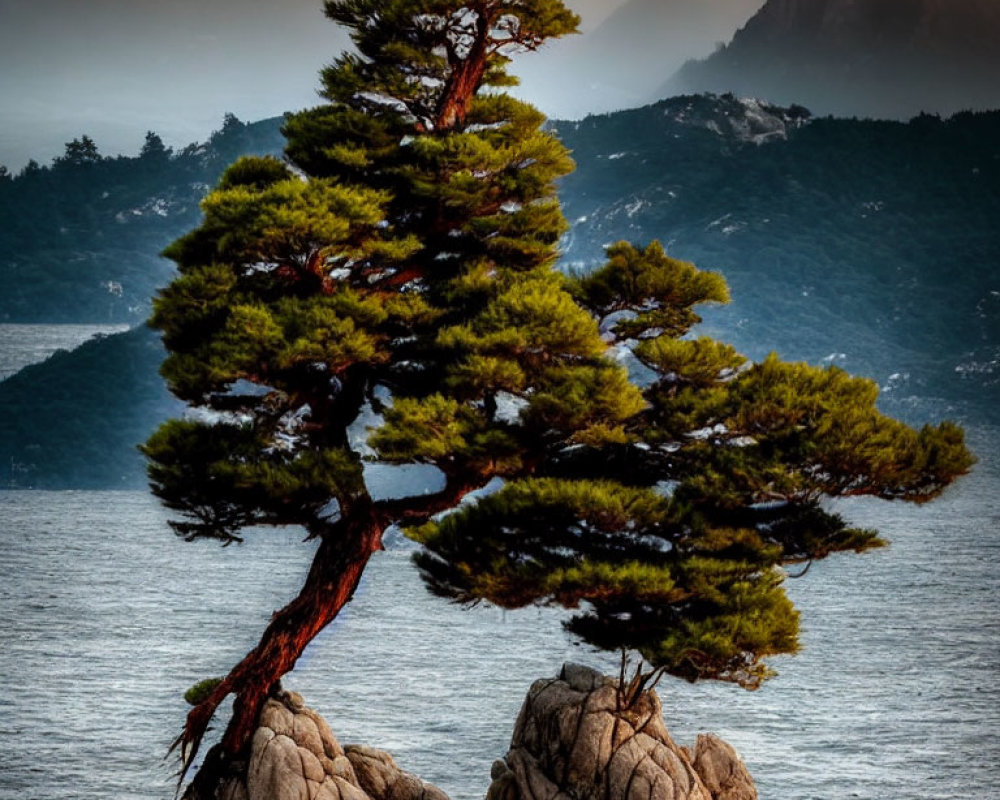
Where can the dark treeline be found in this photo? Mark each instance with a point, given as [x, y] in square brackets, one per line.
[81, 237]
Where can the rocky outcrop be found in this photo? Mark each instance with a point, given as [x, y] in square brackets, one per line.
[294, 756]
[574, 740]
[721, 769]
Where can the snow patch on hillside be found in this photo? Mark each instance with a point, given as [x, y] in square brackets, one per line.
[745, 119]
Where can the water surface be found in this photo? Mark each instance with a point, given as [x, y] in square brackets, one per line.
[107, 618]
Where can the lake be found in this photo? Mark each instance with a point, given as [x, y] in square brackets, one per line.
[107, 618]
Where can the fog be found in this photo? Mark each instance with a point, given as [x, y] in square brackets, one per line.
[625, 61]
[113, 69]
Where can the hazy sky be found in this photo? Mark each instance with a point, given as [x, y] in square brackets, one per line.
[114, 69]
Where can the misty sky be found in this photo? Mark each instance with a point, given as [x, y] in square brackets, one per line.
[114, 69]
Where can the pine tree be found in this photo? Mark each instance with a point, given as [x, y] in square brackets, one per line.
[79, 151]
[153, 148]
[406, 250]
[30, 169]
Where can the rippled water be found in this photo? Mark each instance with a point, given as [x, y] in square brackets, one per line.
[21, 345]
[106, 618]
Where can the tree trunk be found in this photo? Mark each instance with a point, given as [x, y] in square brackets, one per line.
[343, 553]
[467, 74]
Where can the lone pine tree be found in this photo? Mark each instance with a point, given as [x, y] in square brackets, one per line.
[401, 261]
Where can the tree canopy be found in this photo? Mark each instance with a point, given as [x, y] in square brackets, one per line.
[79, 151]
[399, 265]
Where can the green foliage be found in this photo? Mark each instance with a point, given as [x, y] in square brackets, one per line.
[82, 151]
[228, 476]
[254, 173]
[248, 222]
[587, 404]
[428, 429]
[153, 149]
[410, 272]
[659, 291]
[701, 601]
[527, 319]
[195, 694]
[699, 363]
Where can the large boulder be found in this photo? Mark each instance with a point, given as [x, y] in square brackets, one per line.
[577, 738]
[295, 756]
[721, 769]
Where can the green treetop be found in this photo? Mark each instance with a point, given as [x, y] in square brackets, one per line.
[405, 249]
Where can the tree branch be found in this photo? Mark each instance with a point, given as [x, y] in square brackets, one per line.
[419, 509]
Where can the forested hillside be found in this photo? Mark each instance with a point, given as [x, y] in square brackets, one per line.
[74, 420]
[870, 245]
[81, 237]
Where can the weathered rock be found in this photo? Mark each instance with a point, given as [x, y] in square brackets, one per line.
[294, 756]
[379, 776]
[721, 769]
[574, 741]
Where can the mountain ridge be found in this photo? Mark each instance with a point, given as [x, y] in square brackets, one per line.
[872, 246]
[871, 58]
[624, 59]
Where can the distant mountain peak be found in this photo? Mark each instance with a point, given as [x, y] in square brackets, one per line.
[920, 24]
[881, 58]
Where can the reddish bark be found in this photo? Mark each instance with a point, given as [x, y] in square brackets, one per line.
[313, 273]
[343, 553]
[345, 548]
[466, 76]
[416, 510]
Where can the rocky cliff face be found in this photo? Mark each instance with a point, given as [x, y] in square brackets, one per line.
[572, 741]
[926, 26]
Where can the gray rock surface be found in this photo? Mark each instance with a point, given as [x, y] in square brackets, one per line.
[573, 741]
[295, 756]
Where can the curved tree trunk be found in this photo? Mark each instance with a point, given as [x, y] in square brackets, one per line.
[341, 558]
